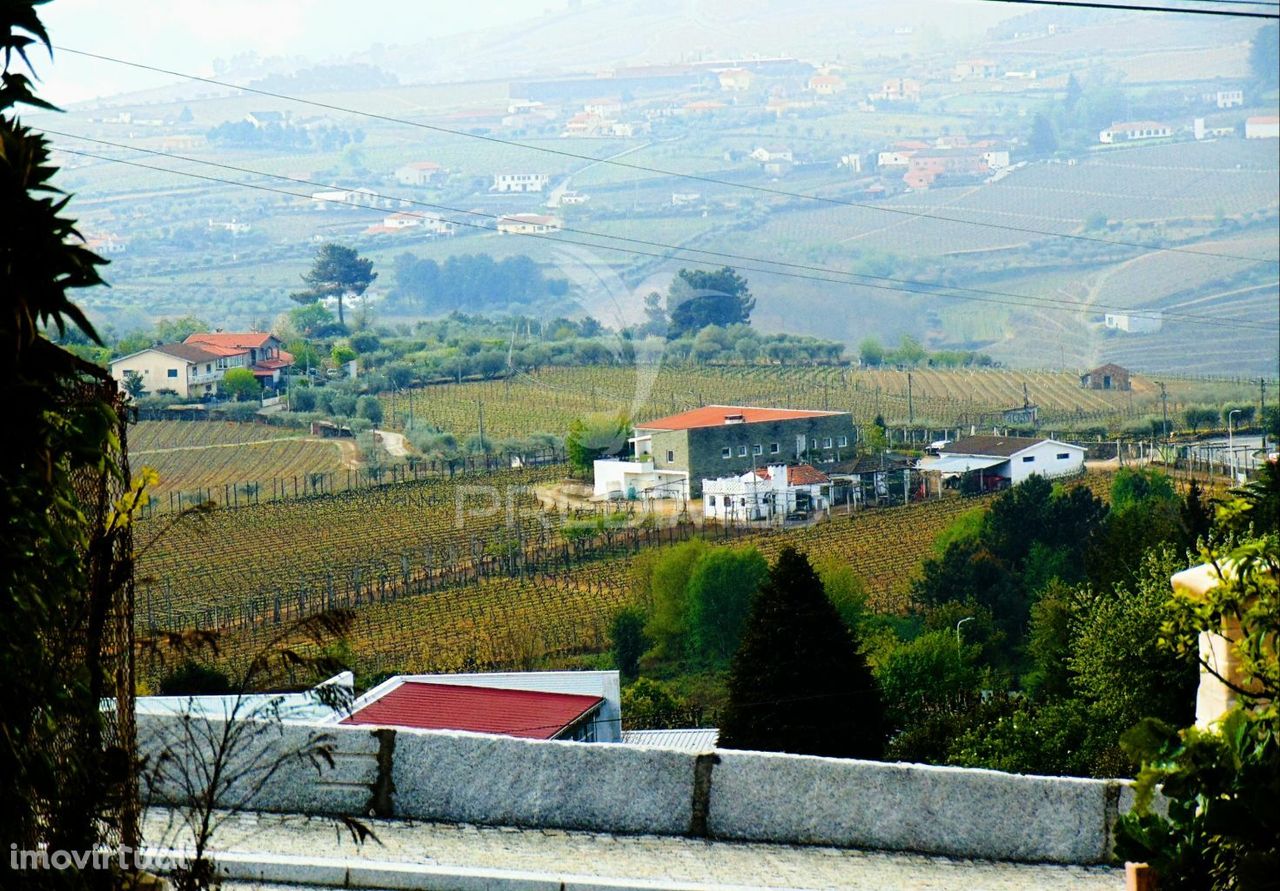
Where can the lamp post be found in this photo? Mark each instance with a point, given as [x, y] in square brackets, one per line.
[1231, 441]
[958, 624]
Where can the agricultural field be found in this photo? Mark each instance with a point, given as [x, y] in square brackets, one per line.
[548, 400]
[370, 551]
[195, 455]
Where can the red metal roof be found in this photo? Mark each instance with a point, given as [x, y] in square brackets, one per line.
[531, 714]
[715, 415]
[798, 475]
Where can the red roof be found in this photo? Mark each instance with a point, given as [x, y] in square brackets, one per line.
[531, 714]
[715, 416]
[799, 475]
[239, 339]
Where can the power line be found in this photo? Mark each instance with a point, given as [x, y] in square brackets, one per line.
[586, 232]
[708, 180]
[1128, 7]
[972, 294]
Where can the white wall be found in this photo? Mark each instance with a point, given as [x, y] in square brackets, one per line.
[1046, 462]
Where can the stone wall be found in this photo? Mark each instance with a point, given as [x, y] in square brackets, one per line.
[749, 796]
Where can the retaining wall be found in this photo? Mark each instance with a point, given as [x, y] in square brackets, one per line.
[748, 796]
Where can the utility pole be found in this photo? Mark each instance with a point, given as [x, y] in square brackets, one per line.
[484, 445]
[1164, 404]
[911, 411]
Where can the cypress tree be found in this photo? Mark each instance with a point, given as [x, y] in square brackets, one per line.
[799, 682]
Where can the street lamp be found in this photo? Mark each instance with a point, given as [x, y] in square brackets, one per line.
[958, 624]
[1231, 440]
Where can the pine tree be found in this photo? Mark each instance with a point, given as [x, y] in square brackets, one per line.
[799, 682]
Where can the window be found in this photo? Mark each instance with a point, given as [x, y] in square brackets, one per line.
[671, 456]
[1064, 456]
[742, 502]
[826, 443]
[726, 452]
[742, 451]
[173, 372]
[842, 441]
[757, 449]
[208, 368]
[711, 500]
[773, 448]
[1027, 459]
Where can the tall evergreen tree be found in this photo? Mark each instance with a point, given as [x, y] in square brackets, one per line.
[337, 272]
[698, 298]
[799, 682]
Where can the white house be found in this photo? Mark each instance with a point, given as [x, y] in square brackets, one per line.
[734, 80]
[768, 153]
[520, 182]
[1262, 127]
[1134, 131]
[186, 369]
[618, 478]
[527, 224]
[420, 173]
[1135, 323]
[775, 490]
[1007, 460]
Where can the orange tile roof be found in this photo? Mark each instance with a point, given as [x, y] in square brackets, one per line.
[714, 416]
[798, 475]
[240, 339]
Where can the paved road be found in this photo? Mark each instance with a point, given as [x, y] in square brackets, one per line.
[643, 858]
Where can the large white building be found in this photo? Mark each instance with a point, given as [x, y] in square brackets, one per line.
[520, 182]
[1007, 460]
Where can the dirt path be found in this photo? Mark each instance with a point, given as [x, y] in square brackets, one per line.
[350, 453]
[394, 443]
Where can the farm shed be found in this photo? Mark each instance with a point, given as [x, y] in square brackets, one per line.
[1106, 377]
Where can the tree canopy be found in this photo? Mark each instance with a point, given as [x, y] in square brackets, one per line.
[698, 298]
[799, 682]
[338, 272]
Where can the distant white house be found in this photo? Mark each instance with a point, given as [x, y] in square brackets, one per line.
[420, 173]
[766, 492]
[768, 153]
[527, 224]
[1135, 323]
[1007, 460]
[1133, 131]
[734, 80]
[1262, 127]
[520, 182]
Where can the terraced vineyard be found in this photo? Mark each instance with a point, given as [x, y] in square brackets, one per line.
[548, 400]
[197, 455]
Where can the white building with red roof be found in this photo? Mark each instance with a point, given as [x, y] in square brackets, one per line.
[774, 491]
[421, 173]
[260, 352]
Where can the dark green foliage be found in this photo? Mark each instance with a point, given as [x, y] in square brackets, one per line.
[62, 783]
[369, 408]
[798, 682]
[472, 282]
[338, 272]
[698, 298]
[627, 638]
[239, 384]
[651, 705]
[927, 673]
[1264, 56]
[719, 594]
[193, 678]
[1043, 139]
[1223, 827]
[1145, 514]
[1196, 517]
[596, 436]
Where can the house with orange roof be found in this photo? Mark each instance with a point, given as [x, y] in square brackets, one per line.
[826, 84]
[260, 352]
[672, 455]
